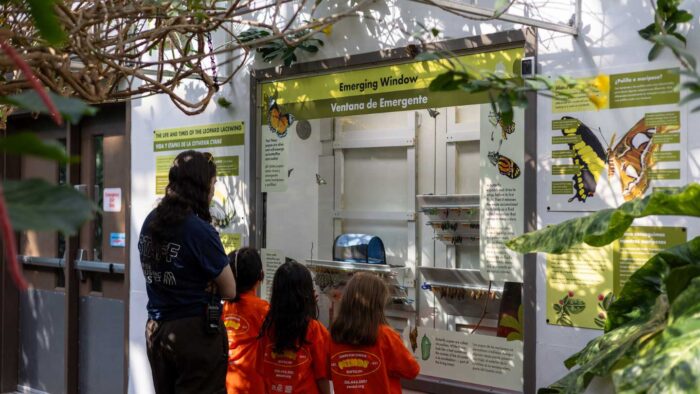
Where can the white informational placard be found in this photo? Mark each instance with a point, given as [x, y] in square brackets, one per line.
[271, 260]
[471, 358]
[502, 183]
[225, 142]
[629, 146]
[112, 199]
[274, 162]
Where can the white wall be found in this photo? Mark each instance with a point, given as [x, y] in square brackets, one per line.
[147, 115]
[608, 39]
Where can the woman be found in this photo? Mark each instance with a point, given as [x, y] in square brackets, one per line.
[181, 255]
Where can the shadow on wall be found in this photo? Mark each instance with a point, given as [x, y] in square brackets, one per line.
[42, 349]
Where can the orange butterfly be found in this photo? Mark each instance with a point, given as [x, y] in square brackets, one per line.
[279, 122]
[633, 156]
[506, 166]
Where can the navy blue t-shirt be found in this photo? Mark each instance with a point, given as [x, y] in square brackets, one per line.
[178, 270]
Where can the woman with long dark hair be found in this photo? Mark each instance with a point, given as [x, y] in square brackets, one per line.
[182, 260]
[293, 347]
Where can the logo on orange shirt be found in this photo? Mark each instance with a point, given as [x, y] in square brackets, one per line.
[288, 358]
[237, 324]
[354, 363]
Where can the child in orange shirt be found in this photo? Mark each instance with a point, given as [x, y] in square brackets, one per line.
[243, 318]
[367, 355]
[293, 346]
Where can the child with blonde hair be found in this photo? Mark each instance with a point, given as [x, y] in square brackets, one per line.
[367, 355]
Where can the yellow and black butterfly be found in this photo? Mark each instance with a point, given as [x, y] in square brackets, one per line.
[506, 165]
[589, 156]
[279, 122]
[497, 121]
[633, 156]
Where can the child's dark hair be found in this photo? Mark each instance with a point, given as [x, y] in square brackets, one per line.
[247, 269]
[292, 307]
[361, 311]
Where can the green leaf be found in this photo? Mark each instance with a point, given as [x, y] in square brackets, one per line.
[46, 21]
[557, 307]
[673, 366]
[35, 204]
[655, 51]
[648, 31]
[608, 300]
[510, 322]
[575, 306]
[679, 279]
[648, 283]
[30, 144]
[514, 336]
[691, 97]
[603, 353]
[444, 82]
[605, 226]
[71, 109]
[681, 16]
[565, 320]
[223, 102]
[500, 6]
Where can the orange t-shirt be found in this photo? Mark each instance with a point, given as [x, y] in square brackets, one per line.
[242, 320]
[372, 369]
[296, 372]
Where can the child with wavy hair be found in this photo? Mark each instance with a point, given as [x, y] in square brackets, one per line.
[293, 346]
[243, 317]
[367, 355]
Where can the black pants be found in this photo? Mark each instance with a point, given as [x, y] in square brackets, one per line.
[185, 358]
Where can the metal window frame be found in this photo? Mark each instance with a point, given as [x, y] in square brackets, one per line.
[518, 38]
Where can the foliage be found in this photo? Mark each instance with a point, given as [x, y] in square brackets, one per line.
[35, 204]
[663, 33]
[282, 48]
[124, 49]
[604, 302]
[605, 226]
[70, 108]
[651, 339]
[514, 323]
[45, 20]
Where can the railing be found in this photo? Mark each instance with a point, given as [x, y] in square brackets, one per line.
[80, 264]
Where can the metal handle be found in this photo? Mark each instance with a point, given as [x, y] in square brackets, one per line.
[50, 262]
[99, 266]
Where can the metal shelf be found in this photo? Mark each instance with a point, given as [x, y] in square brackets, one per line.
[467, 279]
[354, 267]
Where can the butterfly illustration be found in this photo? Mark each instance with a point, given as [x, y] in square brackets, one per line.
[506, 166]
[506, 129]
[279, 122]
[633, 156]
[589, 156]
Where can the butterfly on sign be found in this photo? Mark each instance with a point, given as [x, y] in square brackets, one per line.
[506, 166]
[497, 120]
[633, 156]
[279, 122]
[589, 156]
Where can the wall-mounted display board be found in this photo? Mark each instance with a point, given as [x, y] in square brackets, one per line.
[631, 144]
[346, 153]
[583, 282]
[225, 142]
[502, 186]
